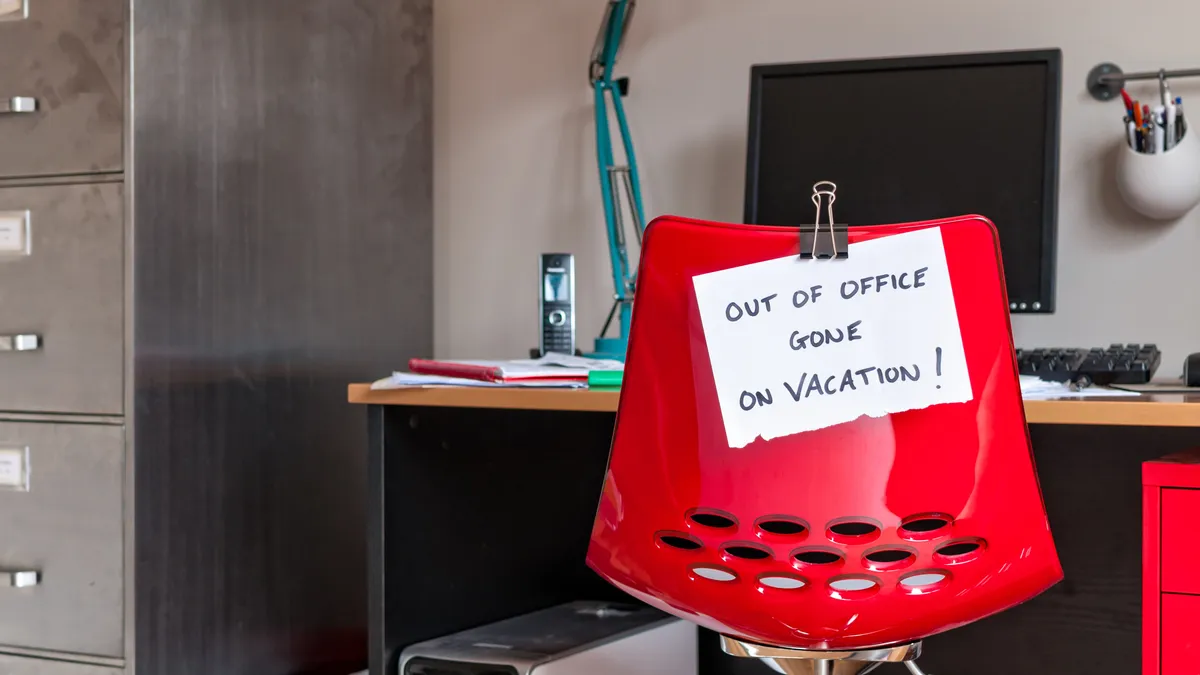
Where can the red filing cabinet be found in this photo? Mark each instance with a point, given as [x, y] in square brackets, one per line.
[1171, 565]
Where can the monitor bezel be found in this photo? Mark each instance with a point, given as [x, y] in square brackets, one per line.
[1051, 59]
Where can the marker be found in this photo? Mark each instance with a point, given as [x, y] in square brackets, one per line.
[1132, 133]
[1180, 122]
[599, 379]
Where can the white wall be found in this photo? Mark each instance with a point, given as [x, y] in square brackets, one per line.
[515, 169]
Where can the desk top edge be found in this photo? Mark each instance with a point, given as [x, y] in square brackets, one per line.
[588, 400]
[1155, 410]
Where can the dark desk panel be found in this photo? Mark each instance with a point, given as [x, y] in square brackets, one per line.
[479, 513]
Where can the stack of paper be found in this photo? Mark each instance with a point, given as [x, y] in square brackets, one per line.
[551, 371]
[1036, 389]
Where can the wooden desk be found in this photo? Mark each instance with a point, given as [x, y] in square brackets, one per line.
[481, 503]
[1160, 410]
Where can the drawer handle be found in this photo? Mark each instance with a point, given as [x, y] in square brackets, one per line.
[20, 578]
[17, 105]
[14, 10]
[20, 343]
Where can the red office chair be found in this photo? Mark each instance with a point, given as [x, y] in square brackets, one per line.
[833, 550]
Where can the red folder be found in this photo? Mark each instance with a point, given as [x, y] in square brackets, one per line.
[755, 542]
[496, 371]
[469, 371]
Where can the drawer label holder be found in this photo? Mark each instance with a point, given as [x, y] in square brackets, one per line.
[14, 468]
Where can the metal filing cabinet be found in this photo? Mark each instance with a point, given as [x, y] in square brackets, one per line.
[15, 665]
[208, 226]
[62, 337]
[61, 87]
[61, 298]
[60, 538]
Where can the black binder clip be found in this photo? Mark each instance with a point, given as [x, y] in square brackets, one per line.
[824, 241]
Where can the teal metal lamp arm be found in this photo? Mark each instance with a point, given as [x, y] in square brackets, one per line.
[607, 90]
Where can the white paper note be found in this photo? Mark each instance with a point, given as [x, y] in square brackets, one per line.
[11, 10]
[14, 232]
[799, 345]
[14, 471]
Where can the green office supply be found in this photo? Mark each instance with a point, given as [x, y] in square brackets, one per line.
[605, 378]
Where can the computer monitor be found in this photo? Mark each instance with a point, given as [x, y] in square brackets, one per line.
[917, 138]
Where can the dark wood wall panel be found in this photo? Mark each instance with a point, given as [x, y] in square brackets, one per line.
[282, 243]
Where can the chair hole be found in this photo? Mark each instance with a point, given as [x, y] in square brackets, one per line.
[680, 541]
[959, 552]
[923, 579]
[958, 549]
[782, 582]
[852, 584]
[747, 552]
[923, 525]
[713, 519]
[853, 587]
[889, 556]
[853, 529]
[714, 573]
[782, 526]
[817, 557]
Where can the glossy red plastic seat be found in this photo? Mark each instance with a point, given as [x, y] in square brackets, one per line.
[877, 532]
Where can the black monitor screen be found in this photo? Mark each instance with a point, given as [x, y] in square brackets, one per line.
[916, 139]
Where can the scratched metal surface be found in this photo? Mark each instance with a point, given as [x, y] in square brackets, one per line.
[69, 55]
[282, 243]
[69, 290]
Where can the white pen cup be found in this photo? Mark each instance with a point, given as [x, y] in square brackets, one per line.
[1161, 186]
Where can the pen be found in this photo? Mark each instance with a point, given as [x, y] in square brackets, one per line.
[1159, 120]
[1137, 114]
[1171, 138]
[1132, 133]
[1128, 101]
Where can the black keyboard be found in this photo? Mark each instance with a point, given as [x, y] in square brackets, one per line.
[1118, 364]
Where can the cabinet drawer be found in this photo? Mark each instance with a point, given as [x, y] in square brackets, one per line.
[1180, 635]
[18, 665]
[61, 86]
[1180, 543]
[67, 289]
[61, 538]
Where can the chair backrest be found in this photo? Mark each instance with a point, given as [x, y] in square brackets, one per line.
[875, 532]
